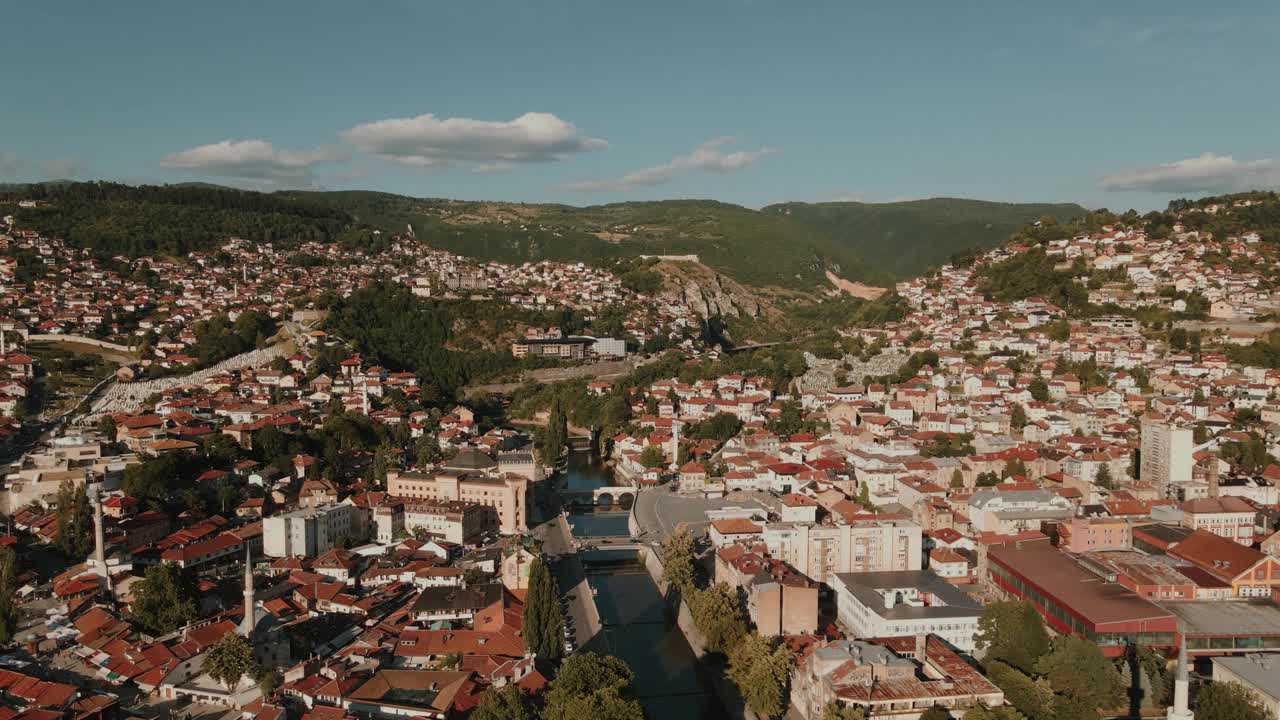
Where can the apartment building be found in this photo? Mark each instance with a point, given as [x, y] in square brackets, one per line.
[1166, 454]
[914, 602]
[309, 532]
[820, 552]
[503, 497]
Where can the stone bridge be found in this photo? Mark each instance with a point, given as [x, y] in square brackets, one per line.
[623, 495]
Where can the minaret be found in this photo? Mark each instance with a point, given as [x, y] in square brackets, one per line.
[675, 444]
[99, 541]
[246, 625]
[1179, 710]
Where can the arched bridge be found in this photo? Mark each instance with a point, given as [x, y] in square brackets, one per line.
[623, 495]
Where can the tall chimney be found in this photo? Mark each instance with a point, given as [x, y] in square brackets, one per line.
[921, 641]
[1213, 476]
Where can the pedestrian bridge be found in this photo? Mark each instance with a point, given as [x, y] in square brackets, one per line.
[623, 495]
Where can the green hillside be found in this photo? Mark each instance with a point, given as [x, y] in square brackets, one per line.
[752, 247]
[905, 238]
[789, 246]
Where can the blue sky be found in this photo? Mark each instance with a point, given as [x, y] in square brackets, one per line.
[1115, 104]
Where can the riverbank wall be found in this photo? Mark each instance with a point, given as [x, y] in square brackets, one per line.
[728, 695]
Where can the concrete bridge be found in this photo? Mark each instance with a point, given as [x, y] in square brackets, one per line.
[615, 494]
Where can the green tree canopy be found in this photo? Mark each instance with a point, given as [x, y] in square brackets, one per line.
[1229, 701]
[509, 703]
[74, 520]
[542, 620]
[1012, 632]
[592, 686]
[651, 457]
[1077, 669]
[164, 599]
[8, 586]
[678, 553]
[719, 615]
[230, 660]
[760, 668]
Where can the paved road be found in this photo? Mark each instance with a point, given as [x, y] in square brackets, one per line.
[581, 615]
[659, 511]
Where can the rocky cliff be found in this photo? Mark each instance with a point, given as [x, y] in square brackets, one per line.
[706, 291]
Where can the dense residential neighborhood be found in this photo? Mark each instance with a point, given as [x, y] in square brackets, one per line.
[249, 506]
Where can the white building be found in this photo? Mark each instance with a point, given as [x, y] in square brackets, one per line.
[1258, 672]
[1166, 454]
[309, 532]
[820, 552]
[1012, 511]
[916, 602]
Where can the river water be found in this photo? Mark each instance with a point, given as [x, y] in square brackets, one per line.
[639, 627]
[583, 474]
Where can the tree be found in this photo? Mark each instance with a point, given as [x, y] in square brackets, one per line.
[509, 703]
[1103, 478]
[1076, 668]
[719, 616]
[381, 465]
[8, 586]
[1011, 632]
[542, 620]
[556, 436]
[74, 520]
[230, 660]
[759, 667]
[427, 450]
[268, 680]
[678, 553]
[592, 686]
[864, 497]
[1030, 698]
[1018, 417]
[270, 443]
[1178, 339]
[835, 712]
[957, 478]
[651, 457]
[1039, 390]
[1229, 701]
[935, 713]
[719, 427]
[164, 599]
[982, 712]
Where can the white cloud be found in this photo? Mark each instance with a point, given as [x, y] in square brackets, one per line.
[710, 156]
[1208, 173]
[485, 146]
[254, 161]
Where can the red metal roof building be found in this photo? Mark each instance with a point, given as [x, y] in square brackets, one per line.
[1073, 600]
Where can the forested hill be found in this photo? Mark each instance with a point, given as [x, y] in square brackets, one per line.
[120, 219]
[790, 246]
[906, 238]
[753, 248]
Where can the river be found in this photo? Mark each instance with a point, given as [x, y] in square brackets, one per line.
[639, 627]
[585, 472]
